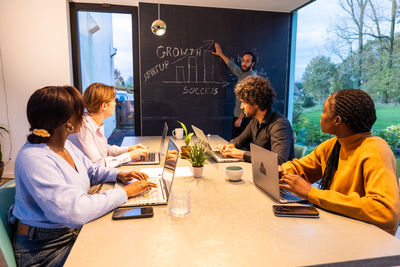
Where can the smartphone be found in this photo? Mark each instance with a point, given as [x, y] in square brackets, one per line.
[132, 213]
[295, 211]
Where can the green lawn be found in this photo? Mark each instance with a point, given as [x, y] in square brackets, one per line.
[386, 115]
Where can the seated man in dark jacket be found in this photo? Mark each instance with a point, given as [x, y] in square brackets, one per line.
[268, 128]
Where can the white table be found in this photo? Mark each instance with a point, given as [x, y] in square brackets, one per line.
[230, 224]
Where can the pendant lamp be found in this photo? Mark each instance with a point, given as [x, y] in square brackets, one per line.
[158, 27]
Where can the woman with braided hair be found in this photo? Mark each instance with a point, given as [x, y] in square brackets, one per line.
[358, 171]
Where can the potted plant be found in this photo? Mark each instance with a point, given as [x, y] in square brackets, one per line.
[197, 158]
[185, 150]
[1, 155]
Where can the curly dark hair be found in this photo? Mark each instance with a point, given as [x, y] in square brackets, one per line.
[50, 107]
[256, 90]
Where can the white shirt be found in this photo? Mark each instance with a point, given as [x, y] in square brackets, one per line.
[93, 143]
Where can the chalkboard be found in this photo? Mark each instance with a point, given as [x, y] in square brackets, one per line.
[182, 80]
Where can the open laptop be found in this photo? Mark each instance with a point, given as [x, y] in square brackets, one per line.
[154, 158]
[218, 156]
[160, 194]
[264, 164]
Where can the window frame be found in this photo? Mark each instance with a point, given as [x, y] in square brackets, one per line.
[76, 69]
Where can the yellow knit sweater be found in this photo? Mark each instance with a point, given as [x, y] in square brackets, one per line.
[365, 185]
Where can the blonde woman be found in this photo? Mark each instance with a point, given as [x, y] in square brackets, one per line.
[100, 104]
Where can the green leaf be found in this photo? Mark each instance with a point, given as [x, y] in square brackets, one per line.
[2, 129]
[197, 157]
[183, 126]
[188, 138]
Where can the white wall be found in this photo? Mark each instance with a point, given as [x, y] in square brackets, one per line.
[34, 44]
[35, 52]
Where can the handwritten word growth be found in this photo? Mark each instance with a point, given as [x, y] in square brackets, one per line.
[168, 51]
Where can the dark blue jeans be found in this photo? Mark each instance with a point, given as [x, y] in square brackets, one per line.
[44, 246]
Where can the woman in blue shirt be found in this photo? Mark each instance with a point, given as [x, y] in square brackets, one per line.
[53, 177]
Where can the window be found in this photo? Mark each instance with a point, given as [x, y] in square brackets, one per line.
[105, 50]
[332, 53]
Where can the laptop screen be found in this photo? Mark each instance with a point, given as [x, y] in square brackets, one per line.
[171, 159]
[200, 134]
[164, 134]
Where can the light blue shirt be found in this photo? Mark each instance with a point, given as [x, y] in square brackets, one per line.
[50, 193]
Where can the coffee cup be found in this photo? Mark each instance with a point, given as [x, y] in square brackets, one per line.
[178, 133]
[234, 173]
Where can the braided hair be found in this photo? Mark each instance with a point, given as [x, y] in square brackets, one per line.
[357, 110]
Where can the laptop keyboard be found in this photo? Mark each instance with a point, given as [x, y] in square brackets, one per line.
[286, 195]
[152, 156]
[152, 196]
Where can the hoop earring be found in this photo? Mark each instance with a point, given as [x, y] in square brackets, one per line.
[70, 129]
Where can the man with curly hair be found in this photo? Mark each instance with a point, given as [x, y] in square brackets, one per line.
[268, 128]
[246, 69]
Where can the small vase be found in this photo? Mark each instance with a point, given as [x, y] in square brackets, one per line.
[185, 151]
[198, 171]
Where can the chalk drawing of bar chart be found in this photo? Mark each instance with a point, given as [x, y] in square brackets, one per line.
[194, 72]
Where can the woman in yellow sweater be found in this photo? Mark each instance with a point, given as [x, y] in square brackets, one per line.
[358, 171]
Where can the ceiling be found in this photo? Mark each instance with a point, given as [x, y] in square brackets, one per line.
[263, 5]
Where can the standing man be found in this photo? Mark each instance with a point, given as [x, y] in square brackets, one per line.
[268, 128]
[247, 68]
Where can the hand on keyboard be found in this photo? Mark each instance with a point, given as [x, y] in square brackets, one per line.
[127, 177]
[233, 152]
[295, 184]
[137, 154]
[138, 187]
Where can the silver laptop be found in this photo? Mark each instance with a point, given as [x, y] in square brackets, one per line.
[218, 156]
[160, 194]
[154, 158]
[264, 164]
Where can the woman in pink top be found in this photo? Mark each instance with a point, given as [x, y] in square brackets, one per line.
[100, 104]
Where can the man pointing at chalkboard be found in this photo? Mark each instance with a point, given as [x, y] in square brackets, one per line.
[247, 68]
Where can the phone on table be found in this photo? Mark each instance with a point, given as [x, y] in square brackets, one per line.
[295, 211]
[132, 213]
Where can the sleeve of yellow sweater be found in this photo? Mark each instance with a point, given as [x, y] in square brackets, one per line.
[311, 166]
[379, 204]
[372, 194]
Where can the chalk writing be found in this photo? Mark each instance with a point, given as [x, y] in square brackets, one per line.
[167, 51]
[199, 90]
[154, 70]
[192, 67]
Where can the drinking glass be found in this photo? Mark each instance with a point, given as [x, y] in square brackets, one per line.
[179, 203]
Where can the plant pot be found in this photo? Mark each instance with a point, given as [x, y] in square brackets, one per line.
[185, 151]
[197, 171]
[1, 169]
